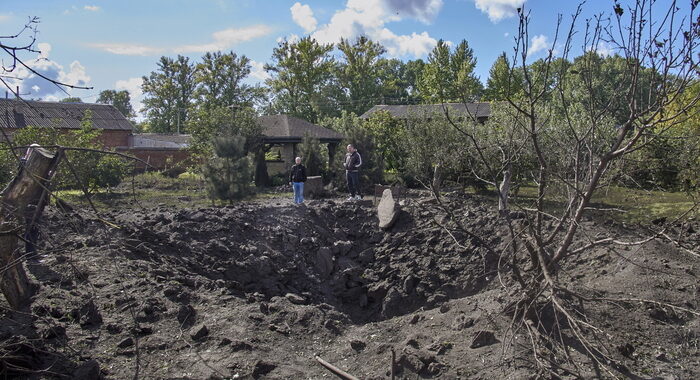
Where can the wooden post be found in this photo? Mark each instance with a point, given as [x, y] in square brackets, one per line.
[29, 187]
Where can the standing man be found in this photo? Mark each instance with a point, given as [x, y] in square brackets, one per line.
[297, 177]
[352, 164]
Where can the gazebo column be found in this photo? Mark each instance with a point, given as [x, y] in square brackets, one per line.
[332, 148]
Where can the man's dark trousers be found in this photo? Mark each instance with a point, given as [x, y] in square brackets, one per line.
[353, 178]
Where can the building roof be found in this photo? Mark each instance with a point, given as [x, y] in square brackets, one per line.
[290, 128]
[480, 110]
[22, 113]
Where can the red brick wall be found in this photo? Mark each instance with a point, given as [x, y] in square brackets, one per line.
[157, 157]
[114, 138]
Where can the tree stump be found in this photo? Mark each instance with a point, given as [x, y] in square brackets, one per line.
[28, 188]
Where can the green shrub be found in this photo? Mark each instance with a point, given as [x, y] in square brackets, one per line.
[230, 173]
[82, 170]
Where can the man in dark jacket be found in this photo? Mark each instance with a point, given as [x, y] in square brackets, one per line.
[297, 177]
[352, 164]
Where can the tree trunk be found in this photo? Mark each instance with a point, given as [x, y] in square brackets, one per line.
[261, 176]
[503, 192]
[438, 177]
[23, 201]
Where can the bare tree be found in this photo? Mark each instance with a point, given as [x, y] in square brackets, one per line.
[574, 138]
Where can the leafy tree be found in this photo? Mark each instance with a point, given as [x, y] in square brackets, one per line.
[220, 82]
[353, 128]
[300, 74]
[229, 173]
[207, 125]
[71, 100]
[389, 134]
[312, 156]
[670, 160]
[449, 76]
[504, 81]
[358, 73]
[398, 80]
[82, 170]
[121, 100]
[168, 94]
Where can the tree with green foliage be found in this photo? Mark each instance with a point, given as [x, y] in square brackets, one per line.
[449, 75]
[389, 134]
[206, 126]
[83, 170]
[168, 94]
[300, 73]
[121, 100]
[358, 73]
[229, 173]
[349, 124]
[398, 81]
[504, 81]
[312, 156]
[219, 81]
[71, 100]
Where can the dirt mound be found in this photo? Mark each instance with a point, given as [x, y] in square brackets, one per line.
[257, 289]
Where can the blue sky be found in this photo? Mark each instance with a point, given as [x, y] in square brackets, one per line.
[111, 44]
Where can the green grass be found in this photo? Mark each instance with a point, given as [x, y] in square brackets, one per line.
[152, 189]
[642, 205]
[624, 204]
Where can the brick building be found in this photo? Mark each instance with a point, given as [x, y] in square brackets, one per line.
[158, 150]
[17, 114]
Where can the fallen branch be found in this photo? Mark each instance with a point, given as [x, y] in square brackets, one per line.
[335, 370]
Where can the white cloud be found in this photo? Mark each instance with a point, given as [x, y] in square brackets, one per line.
[133, 85]
[76, 76]
[422, 10]
[91, 8]
[304, 17]
[4, 17]
[44, 50]
[369, 17]
[127, 49]
[414, 44]
[537, 44]
[34, 86]
[258, 71]
[499, 9]
[71, 10]
[506, 34]
[225, 39]
[292, 38]
[605, 49]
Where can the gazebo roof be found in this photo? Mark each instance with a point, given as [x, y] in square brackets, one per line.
[285, 128]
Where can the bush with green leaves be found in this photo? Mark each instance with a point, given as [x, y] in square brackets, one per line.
[84, 170]
[229, 173]
[209, 124]
[354, 129]
[313, 156]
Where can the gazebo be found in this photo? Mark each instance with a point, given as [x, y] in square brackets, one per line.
[283, 134]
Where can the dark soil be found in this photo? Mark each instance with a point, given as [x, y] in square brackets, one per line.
[257, 289]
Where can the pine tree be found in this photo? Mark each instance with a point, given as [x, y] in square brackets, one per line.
[312, 156]
[230, 172]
